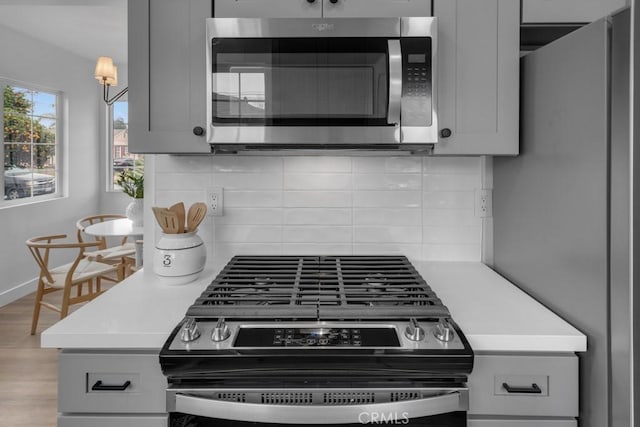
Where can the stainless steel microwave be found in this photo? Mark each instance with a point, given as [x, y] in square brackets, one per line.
[321, 82]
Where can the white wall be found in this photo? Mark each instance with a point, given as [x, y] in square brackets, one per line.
[25, 59]
[420, 207]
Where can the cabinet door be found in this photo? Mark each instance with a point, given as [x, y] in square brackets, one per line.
[478, 76]
[268, 8]
[167, 75]
[376, 8]
[564, 11]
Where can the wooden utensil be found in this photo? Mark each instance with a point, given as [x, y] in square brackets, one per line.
[168, 220]
[196, 214]
[178, 208]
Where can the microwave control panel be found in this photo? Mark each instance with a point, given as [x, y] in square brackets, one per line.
[417, 104]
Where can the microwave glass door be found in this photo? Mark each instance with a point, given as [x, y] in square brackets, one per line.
[300, 82]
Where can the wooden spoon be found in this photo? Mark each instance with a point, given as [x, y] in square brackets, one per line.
[178, 208]
[168, 220]
[196, 214]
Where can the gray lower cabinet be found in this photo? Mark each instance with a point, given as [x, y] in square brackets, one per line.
[509, 390]
[110, 388]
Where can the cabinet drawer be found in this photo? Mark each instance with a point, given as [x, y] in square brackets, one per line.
[521, 423]
[112, 421]
[524, 385]
[110, 382]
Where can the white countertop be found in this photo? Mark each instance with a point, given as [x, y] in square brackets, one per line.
[495, 316]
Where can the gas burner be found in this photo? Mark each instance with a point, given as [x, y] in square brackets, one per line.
[375, 282]
[263, 281]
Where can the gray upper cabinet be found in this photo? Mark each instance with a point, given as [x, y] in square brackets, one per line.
[268, 9]
[568, 11]
[320, 8]
[375, 8]
[478, 76]
[167, 75]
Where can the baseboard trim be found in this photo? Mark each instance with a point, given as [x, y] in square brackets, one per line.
[18, 292]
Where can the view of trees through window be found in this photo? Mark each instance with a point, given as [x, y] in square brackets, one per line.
[29, 123]
[121, 158]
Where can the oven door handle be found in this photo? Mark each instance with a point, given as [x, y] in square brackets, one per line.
[395, 82]
[400, 412]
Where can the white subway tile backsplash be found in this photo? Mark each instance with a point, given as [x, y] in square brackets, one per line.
[223, 252]
[183, 181]
[450, 217]
[316, 249]
[315, 216]
[250, 199]
[172, 164]
[449, 200]
[317, 181]
[419, 207]
[248, 233]
[443, 182]
[387, 234]
[412, 251]
[385, 199]
[452, 165]
[248, 181]
[387, 181]
[246, 164]
[317, 199]
[317, 164]
[317, 234]
[250, 216]
[451, 234]
[387, 216]
[387, 165]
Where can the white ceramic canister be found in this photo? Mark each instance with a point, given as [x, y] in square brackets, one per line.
[179, 258]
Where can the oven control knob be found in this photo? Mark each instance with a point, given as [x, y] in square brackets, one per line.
[189, 331]
[333, 1]
[414, 331]
[444, 331]
[220, 332]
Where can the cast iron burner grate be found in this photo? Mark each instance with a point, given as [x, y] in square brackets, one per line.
[318, 287]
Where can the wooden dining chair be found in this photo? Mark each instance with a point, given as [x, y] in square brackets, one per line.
[122, 255]
[63, 278]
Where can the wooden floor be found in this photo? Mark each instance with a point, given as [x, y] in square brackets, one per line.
[28, 373]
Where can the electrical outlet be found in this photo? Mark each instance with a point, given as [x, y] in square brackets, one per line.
[484, 203]
[215, 201]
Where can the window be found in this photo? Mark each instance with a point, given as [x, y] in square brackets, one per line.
[120, 157]
[30, 142]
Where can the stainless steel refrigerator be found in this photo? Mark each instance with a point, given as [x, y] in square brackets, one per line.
[564, 209]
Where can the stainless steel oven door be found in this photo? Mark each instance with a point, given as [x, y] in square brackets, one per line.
[341, 407]
[321, 81]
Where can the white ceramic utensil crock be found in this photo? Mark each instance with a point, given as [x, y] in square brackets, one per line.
[179, 258]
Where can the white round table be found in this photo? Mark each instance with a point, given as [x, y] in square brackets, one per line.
[118, 228]
[114, 228]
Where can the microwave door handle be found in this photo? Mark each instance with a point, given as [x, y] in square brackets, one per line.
[317, 414]
[395, 82]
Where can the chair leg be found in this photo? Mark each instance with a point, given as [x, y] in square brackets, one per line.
[98, 285]
[36, 307]
[79, 290]
[66, 295]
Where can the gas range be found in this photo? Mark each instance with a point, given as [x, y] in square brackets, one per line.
[375, 309]
[282, 339]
